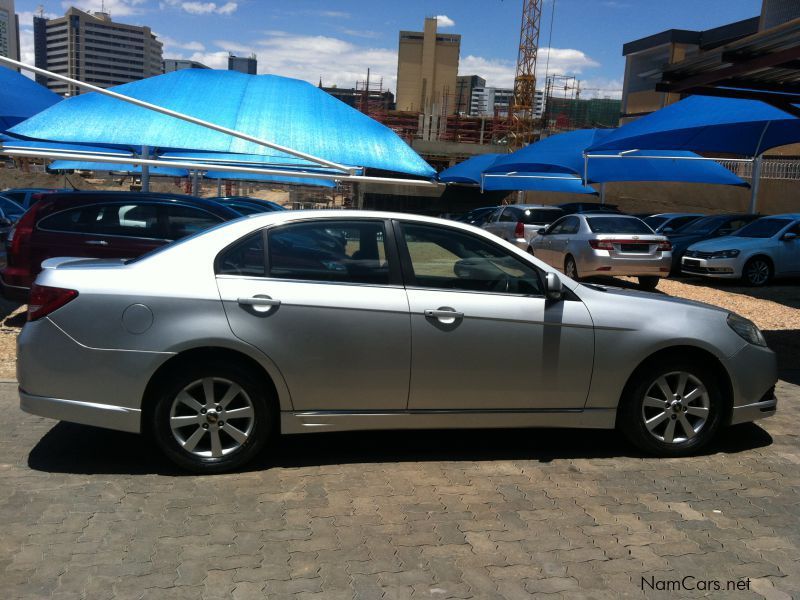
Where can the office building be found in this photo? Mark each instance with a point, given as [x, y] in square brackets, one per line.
[427, 67]
[179, 64]
[494, 102]
[94, 49]
[9, 30]
[465, 84]
[648, 59]
[243, 64]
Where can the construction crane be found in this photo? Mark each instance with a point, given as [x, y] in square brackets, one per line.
[524, 101]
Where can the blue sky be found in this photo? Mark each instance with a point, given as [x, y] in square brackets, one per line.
[339, 39]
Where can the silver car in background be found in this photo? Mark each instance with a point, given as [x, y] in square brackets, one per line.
[586, 245]
[519, 224]
[302, 321]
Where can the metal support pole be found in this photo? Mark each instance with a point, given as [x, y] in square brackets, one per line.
[219, 187]
[196, 183]
[757, 163]
[145, 169]
[603, 193]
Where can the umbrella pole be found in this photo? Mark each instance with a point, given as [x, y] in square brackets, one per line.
[755, 181]
[219, 187]
[145, 169]
[603, 193]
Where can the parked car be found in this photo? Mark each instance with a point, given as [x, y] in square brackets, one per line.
[585, 245]
[26, 197]
[703, 229]
[247, 205]
[224, 339]
[100, 225]
[520, 223]
[571, 208]
[11, 209]
[477, 216]
[759, 251]
[667, 223]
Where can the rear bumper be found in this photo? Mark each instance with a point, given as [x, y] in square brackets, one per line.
[86, 413]
[600, 262]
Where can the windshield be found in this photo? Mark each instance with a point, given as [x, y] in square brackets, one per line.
[763, 228]
[533, 216]
[618, 225]
[702, 226]
[655, 222]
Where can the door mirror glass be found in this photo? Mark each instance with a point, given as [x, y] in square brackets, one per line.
[555, 289]
[667, 230]
[789, 236]
[542, 231]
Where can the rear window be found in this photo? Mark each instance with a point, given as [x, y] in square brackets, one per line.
[618, 225]
[535, 216]
[763, 228]
[655, 222]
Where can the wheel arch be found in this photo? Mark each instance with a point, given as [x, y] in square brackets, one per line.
[691, 353]
[195, 355]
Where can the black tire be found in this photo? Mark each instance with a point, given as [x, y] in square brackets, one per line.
[571, 268]
[530, 251]
[757, 271]
[648, 283]
[259, 428]
[633, 410]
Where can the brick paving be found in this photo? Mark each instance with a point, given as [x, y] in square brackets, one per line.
[88, 513]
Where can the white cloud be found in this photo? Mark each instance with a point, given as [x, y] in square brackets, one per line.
[116, 8]
[172, 45]
[444, 21]
[500, 73]
[203, 8]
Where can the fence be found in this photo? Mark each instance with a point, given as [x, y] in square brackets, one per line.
[771, 168]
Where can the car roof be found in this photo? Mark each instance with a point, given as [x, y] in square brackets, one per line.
[93, 196]
[784, 216]
[605, 215]
[677, 214]
[537, 206]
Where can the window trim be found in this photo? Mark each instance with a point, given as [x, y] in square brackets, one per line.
[409, 279]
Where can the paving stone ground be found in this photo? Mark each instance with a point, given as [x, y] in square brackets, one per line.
[95, 514]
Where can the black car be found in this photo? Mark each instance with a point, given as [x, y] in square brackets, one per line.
[477, 216]
[247, 205]
[571, 208]
[705, 228]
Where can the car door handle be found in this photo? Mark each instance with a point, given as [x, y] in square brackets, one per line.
[447, 315]
[259, 301]
[97, 243]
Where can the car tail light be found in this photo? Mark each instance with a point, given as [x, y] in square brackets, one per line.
[602, 244]
[21, 232]
[519, 230]
[665, 246]
[45, 299]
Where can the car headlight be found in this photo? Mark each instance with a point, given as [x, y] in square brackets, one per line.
[725, 254]
[746, 329]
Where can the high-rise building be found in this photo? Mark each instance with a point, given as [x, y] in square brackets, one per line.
[243, 64]
[465, 84]
[491, 102]
[9, 30]
[427, 67]
[94, 49]
[179, 64]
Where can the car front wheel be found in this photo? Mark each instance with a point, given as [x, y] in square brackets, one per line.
[757, 272]
[648, 283]
[212, 418]
[671, 408]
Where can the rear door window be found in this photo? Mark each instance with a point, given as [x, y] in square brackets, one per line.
[245, 257]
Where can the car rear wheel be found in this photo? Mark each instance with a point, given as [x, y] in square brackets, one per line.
[212, 418]
[757, 271]
[570, 268]
[648, 283]
[671, 408]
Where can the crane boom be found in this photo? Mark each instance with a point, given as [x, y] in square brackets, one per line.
[524, 101]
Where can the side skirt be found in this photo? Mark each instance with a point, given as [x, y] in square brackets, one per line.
[311, 421]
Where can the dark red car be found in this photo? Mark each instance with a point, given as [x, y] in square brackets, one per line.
[100, 225]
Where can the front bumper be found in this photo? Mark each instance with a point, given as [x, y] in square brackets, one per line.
[86, 413]
[766, 407]
[724, 268]
[754, 373]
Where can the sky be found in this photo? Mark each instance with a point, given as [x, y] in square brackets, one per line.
[337, 40]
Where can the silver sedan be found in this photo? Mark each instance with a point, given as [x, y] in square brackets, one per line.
[298, 322]
[587, 245]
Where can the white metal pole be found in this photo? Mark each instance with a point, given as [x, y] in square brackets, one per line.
[219, 187]
[145, 170]
[603, 193]
[177, 115]
[754, 183]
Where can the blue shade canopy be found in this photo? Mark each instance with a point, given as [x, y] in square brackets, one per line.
[470, 170]
[21, 98]
[536, 182]
[74, 165]
[11, 143]
[288, 112]
[325, 183]
[564, 153]
[708, 124]
[271, 161]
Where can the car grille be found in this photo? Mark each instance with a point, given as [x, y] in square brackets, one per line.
[698, 254]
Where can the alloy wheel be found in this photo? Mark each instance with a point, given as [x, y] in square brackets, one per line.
[212, 417]
[570, 270]
[676, 407]
[757, 272]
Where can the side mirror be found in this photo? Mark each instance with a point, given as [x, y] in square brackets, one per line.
[667, 230]
[554, 288]
[788, 236]
[542, 231]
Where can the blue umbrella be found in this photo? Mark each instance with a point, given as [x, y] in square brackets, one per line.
[75, 165]
[288, 112]
[707, 124]
[21, 98]
[470, 170]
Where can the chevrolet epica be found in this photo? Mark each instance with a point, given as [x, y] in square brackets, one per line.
[296, 322]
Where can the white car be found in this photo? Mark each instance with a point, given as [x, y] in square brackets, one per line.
[766, 248]
[519, 224]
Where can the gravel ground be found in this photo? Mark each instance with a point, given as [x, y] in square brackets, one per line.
[775, 309]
